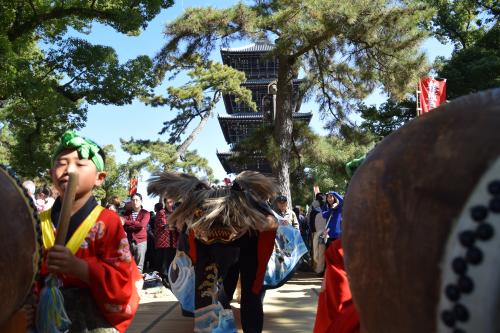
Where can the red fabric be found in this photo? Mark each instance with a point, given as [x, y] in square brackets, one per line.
[113, 273]
[137, 229]
[192, 247]
[133, 186]
[336, 312]
[164, 237]
[265, 247]
[432, 93]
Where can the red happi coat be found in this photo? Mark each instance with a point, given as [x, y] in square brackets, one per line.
[113, 273]
[336, 312]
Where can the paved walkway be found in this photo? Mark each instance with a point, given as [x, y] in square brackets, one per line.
[290, 309]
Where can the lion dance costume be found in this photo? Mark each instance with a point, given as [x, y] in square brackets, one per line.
[231, 232]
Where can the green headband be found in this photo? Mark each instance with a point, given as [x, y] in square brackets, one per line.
[87, 149]
[351, 166]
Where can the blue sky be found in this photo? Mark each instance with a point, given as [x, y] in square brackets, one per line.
[108, 123]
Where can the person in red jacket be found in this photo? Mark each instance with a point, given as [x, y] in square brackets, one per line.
[166, 236]
[135, 223]
[99, 278]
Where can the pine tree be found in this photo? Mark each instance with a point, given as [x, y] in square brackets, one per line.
[346, 49]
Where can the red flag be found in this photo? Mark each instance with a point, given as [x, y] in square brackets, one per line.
[432, 93]
[133, 186]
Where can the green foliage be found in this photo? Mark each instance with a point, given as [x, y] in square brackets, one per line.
[116, 182]
[462, 22]
[325, 166]
[209, 81]
[6, 143]
[158, 156]
[389, 117]
[316, 160]
[261, 141]
[472, 27]
[346, 49]
[48, 78]
[348, 46]
[474, 68]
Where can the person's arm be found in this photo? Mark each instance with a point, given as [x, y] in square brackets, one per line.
[326, 213]
[142, 221]
[136, 225]
[113, 274]
[61, 260]
[295, 221]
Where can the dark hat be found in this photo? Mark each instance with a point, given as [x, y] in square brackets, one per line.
[281, 198]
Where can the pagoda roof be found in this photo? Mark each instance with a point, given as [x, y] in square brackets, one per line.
[258, 116]
[258, 82]
[257, 163]
[258, 47]
[239, 124]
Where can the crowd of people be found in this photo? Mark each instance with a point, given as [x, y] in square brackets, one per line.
[125, 241]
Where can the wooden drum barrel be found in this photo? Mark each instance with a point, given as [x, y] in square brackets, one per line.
[421, 223]
[20, 241]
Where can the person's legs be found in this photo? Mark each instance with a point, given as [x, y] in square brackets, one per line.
[140, 255]
[318, 253]
[252, 313]
[212, 264]
[159, 259]
[229, 284]
[167, 259]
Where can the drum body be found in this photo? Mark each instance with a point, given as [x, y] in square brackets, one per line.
[19, 237]
[402, 205]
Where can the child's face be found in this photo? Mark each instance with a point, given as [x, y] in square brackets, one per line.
[88, 176]
[282, 205]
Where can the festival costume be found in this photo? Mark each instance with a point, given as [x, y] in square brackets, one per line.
[421, 231]
[110, 300]
[229, 234]
[336, 312]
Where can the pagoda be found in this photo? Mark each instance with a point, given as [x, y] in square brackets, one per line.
[261, 71]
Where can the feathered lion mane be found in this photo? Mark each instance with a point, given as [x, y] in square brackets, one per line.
[202, 207]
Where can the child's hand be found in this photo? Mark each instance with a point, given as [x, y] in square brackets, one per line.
[61, 260]
[29, 312]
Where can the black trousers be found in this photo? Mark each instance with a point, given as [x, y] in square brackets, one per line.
[163, 259]
[217, 269]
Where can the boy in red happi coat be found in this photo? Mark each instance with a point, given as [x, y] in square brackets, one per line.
[99, 276]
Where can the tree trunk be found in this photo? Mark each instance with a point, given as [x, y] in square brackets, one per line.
[182, 149]
[283, 125]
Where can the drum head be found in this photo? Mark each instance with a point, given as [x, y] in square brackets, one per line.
[20, 257]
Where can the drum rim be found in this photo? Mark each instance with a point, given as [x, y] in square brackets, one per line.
[35, 220]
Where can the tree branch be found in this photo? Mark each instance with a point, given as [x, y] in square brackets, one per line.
[57, 13]
[309, 46]
[322, 84]
[33, 7]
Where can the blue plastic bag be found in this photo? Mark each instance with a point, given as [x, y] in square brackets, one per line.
[181, 279]
[289, 248]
